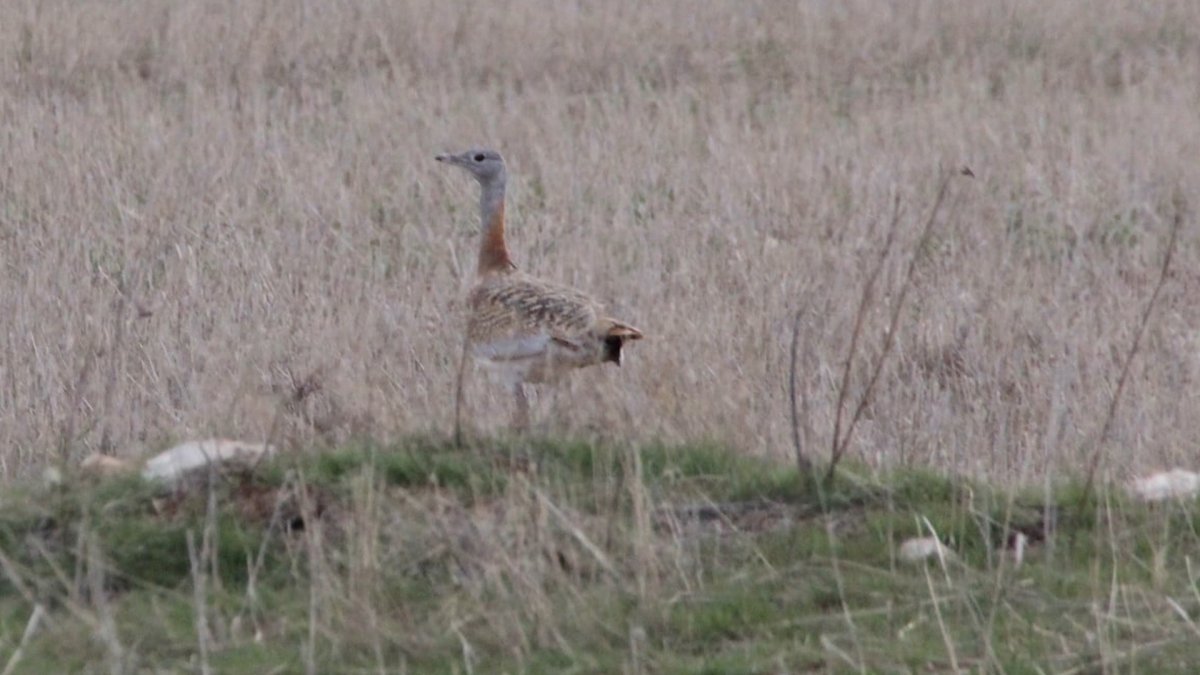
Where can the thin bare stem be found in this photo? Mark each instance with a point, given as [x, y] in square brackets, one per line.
[30, 628]
[199, 593]
[855, 333]
[803, 463]
[1109, 417]
[459, 393]
[889, 338]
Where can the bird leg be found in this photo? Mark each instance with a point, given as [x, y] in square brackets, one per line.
[459, 397]
[520, 421]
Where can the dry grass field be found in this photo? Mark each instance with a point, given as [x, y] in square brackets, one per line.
[209, 209]
[223, 218]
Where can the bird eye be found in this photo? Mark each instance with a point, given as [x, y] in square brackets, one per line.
[479, 157]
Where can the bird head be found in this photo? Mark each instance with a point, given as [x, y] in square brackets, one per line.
[485, 165]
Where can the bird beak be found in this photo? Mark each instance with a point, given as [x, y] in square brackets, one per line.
[443, 158]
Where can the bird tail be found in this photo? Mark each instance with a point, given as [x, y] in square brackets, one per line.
[615, 336]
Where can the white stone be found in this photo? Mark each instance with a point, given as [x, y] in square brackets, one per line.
[1173, 484]
[923, 548]
[173, 464]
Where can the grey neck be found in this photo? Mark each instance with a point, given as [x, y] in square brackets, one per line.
[491, 198]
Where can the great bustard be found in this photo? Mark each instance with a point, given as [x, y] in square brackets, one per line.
[525, 330]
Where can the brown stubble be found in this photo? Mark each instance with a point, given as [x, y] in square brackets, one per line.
[258, 181]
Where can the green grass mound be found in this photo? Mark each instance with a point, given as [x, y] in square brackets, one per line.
[571, 556]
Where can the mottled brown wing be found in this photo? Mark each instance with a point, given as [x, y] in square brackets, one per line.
[511, 306]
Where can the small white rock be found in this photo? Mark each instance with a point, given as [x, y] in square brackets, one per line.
[1173, 484]
[923, 548]
[173, 464]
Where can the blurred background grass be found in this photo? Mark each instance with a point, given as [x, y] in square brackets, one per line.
[223, 218]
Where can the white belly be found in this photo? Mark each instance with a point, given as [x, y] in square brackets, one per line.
[533, 359]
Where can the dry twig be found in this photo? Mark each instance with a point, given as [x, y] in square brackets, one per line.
[1109, 417]
[842, 442]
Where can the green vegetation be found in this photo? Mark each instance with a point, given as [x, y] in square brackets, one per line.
[581, 557]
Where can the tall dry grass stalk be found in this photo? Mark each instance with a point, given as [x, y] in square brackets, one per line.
[211, 212]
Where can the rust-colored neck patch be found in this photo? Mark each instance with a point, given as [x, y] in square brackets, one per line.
[493, 250]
